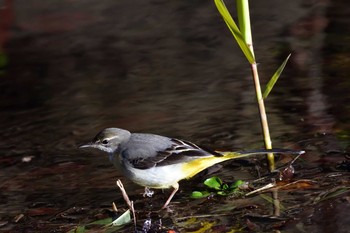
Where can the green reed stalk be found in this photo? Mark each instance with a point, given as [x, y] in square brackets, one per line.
[243, 37]
[245, 28]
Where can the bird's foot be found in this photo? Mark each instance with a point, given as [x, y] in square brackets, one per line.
[148, 192]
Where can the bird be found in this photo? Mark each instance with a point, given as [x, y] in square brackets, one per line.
[160, 162]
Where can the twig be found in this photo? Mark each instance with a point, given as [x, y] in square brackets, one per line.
[125, 195]
[127, 200]
[264, 188]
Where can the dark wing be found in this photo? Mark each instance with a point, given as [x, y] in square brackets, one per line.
[178, 151]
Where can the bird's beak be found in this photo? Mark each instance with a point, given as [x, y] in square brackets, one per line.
[97, 146]
[87, 145]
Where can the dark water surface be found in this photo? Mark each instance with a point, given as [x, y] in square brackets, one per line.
[71, 68]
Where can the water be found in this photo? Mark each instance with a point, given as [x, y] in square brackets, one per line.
[169, 68]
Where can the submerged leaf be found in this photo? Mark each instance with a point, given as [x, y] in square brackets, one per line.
[104, 221]
[298, 184]
[270, 200]
[332, 193]
[80, 229]
[205, 226]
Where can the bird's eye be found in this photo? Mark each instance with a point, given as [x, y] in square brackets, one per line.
[105, 142]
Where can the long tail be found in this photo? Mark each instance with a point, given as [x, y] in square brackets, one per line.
[246, 153]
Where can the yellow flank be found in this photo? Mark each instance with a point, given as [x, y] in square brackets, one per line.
[195, 166]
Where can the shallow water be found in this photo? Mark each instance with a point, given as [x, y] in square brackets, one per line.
[170, 68]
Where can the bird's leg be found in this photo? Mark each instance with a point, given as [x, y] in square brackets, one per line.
[148, 192]
[176, 187]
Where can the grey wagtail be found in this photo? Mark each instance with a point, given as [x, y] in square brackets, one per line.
[159, 162]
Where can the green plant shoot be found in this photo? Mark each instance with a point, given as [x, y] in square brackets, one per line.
[274, 78]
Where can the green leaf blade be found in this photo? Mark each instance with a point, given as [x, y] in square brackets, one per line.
[234, 30]
[123, 219]
[236, 184]
[213, 182]
[198, 194]
[274, 78]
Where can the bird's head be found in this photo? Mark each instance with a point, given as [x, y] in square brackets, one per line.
[108, 140]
